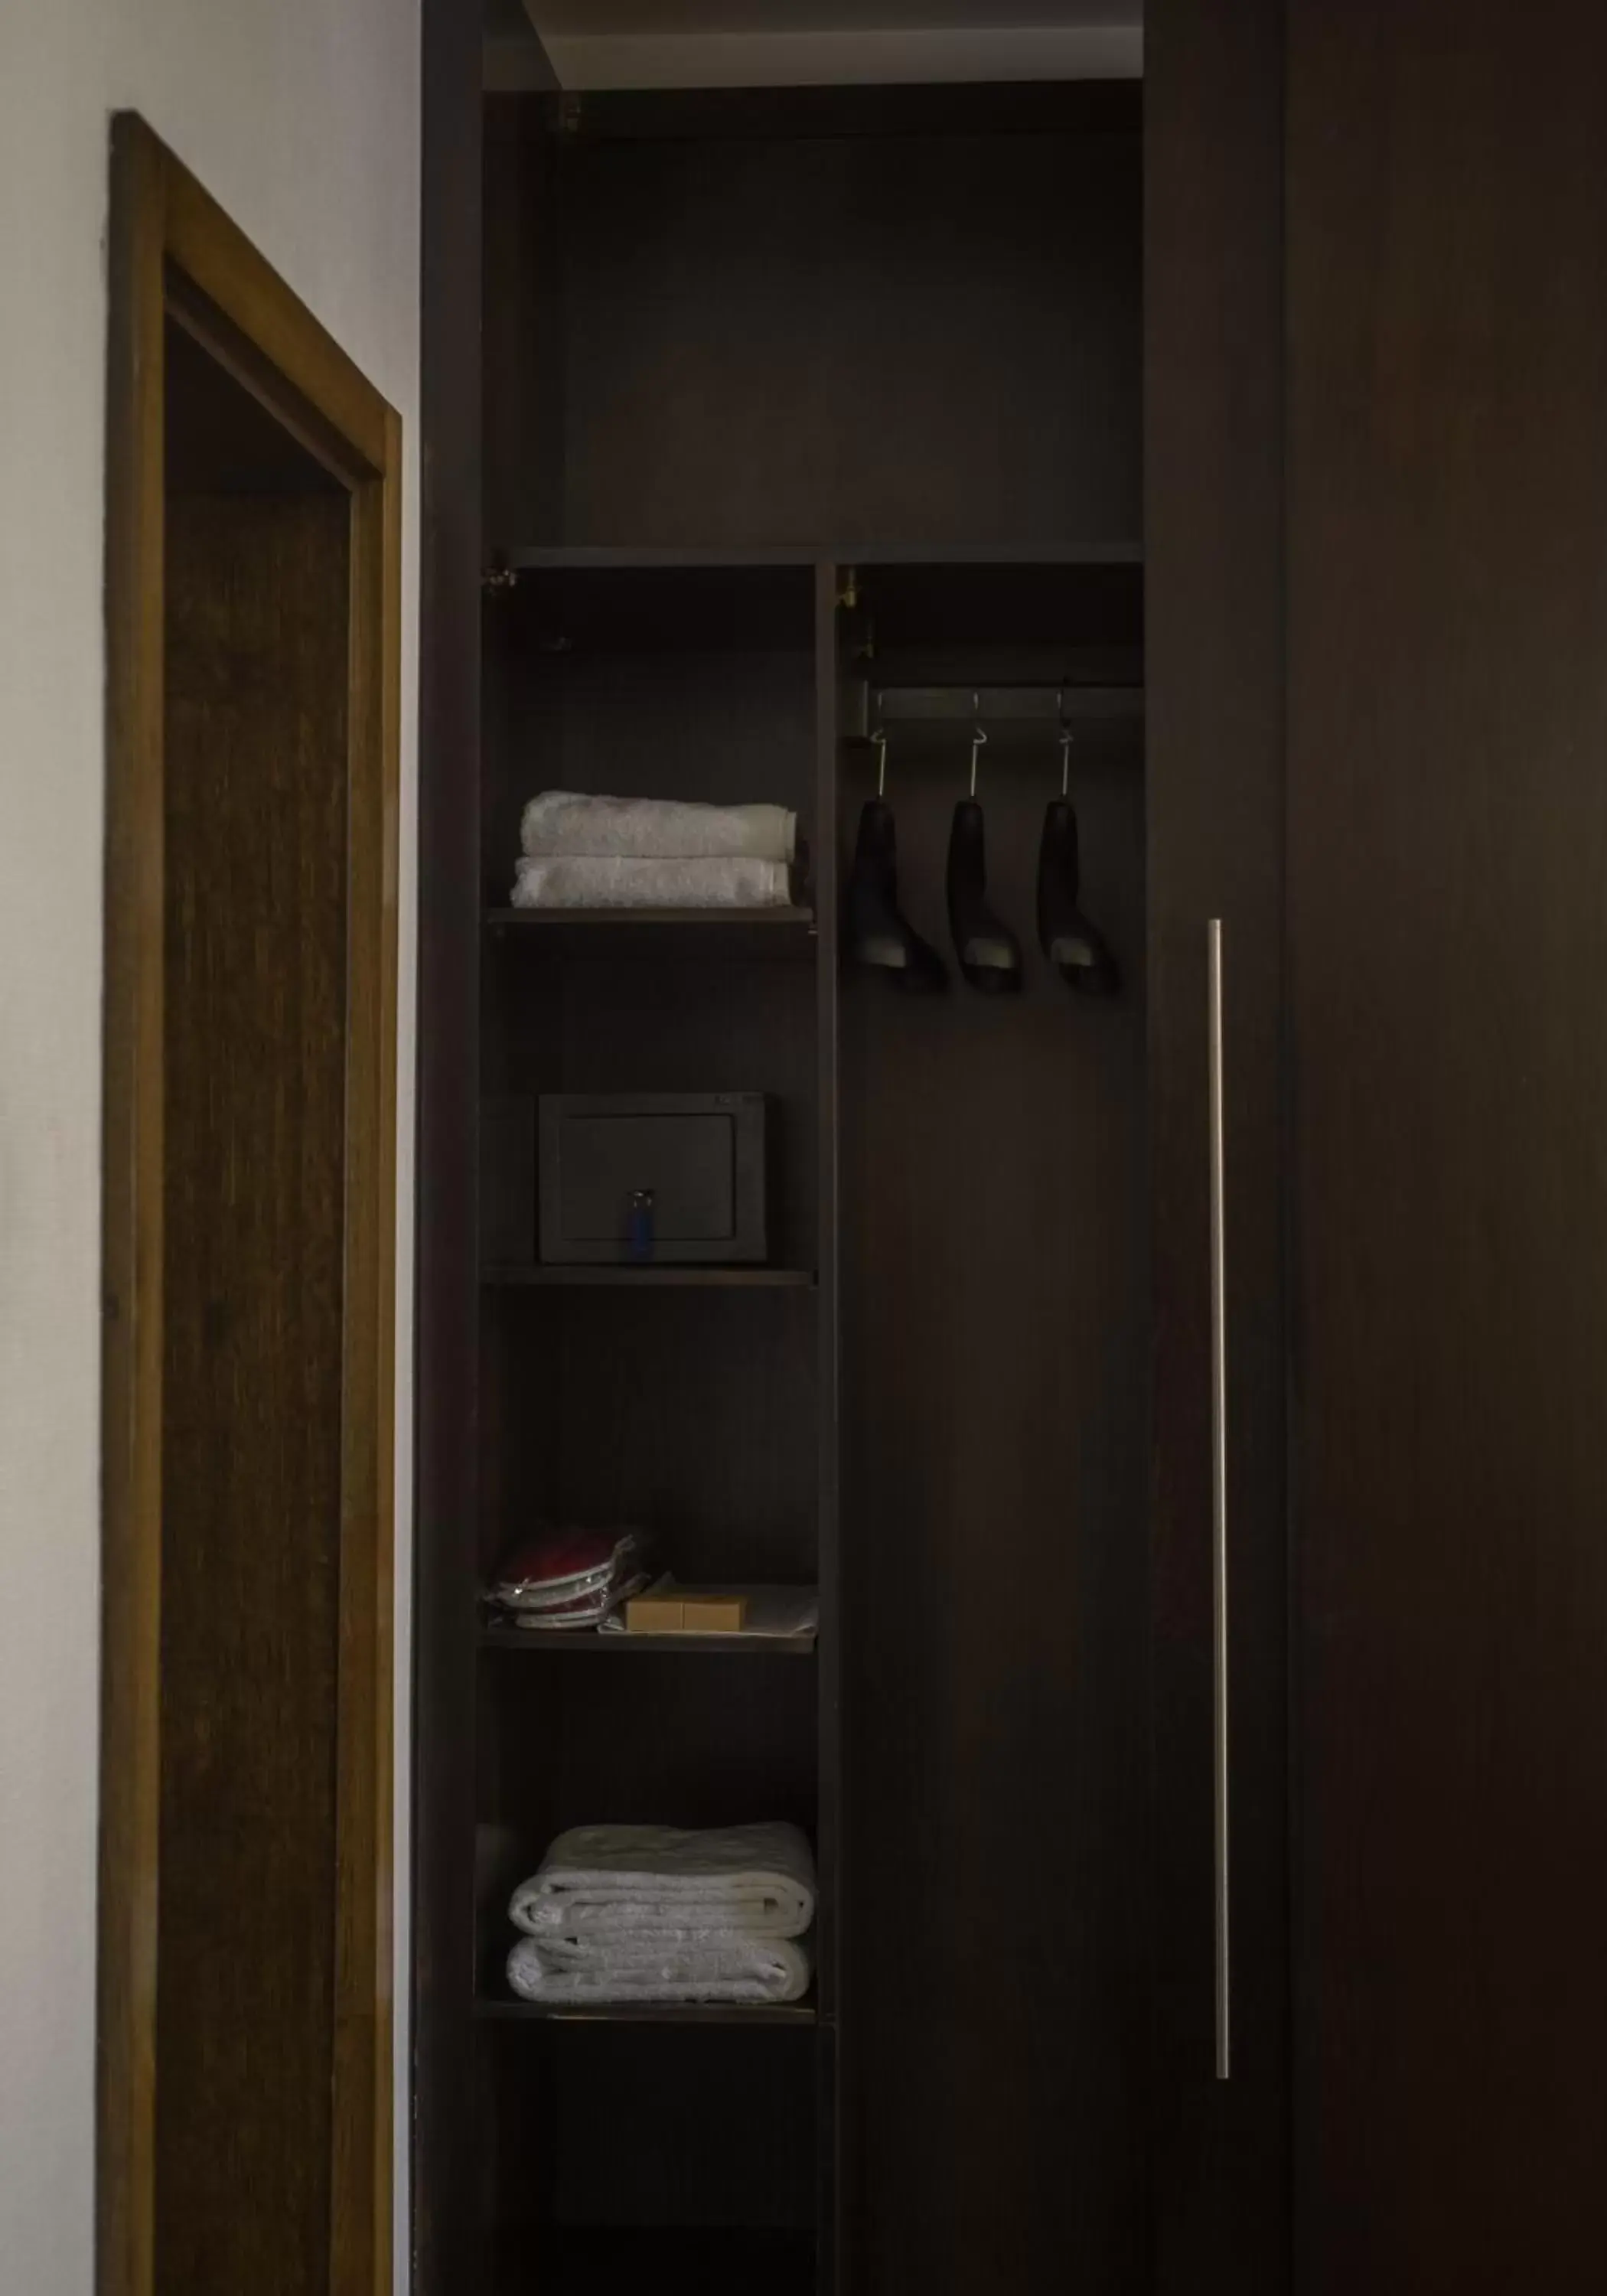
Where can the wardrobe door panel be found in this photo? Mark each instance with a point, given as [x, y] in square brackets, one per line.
[1214, 674]
[1448, 854]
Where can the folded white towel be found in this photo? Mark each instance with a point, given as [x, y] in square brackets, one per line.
[598, 1882]
[624, 1951]
[599, 884]
[563, 824]
[735, 1969]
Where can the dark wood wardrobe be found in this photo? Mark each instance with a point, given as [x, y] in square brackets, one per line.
[1183, 1400]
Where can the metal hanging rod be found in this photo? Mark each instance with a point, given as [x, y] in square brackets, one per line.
[1002, 704]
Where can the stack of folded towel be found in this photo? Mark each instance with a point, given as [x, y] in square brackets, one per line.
[653, 853]
[646, 1912]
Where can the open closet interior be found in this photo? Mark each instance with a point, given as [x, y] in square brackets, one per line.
[811, 436]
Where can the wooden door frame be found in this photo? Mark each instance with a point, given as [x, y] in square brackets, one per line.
[175, 255]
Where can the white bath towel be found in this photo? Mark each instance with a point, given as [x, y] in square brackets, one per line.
[646, 1950]
[724, 1968]
[598, 1882]
[565, 824]
[600, 884]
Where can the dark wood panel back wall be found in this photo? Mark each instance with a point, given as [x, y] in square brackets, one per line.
[690, 1411]
[672, 1022]
[689, 692]
[803, 334]
[994, 1564]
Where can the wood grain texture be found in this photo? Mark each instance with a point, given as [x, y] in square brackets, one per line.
[521, 445]
[537, 1277]
[702, 682]
[253, 1316]
[175, 256]
[685, 1402]
[1214, 683]
[132, 1215]
[828, 1448]
[748, 328]
[749, 2014]
[445, 2173]
[992, 1561]
[804, 332]
[366, 1875]
[684, 1409]
[1448, 908]
[747, 1644]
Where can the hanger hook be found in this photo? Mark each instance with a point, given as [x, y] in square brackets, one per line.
[878, 739]
[979, 738]
[1066, 740]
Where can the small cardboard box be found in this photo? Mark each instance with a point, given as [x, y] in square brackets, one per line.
[667, 1608]
[711, 1612]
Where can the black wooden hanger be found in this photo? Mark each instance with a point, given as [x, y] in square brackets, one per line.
[1070, 940]
[879, 933]
[989, 954]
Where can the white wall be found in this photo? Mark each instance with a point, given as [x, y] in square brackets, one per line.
[301, 117]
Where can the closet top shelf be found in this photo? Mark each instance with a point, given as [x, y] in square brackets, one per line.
[717, 936]
[664, 1275]
[580, 557]
[623, 919]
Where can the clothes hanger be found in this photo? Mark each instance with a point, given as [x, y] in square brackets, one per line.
[879, 933]
[1074, 945]
[988, 952]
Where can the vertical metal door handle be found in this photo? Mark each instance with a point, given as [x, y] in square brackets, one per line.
[1219, 1161]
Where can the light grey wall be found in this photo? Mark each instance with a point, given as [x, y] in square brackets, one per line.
[301, 117]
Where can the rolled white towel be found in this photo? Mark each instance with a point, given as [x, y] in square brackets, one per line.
[598, 1882]
[724, 1968]
[563, 824]
[599, 884]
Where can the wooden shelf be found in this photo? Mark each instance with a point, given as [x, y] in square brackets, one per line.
[991, 553]
[627, 557]
[611, 558]
[587, 1643]
[596, 923]
[494, 2011]
[656, 1279]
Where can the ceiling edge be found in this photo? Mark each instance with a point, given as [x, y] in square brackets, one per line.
[651, 60]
